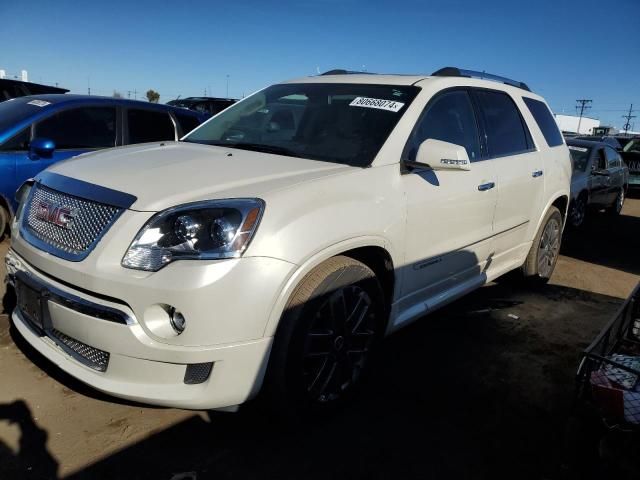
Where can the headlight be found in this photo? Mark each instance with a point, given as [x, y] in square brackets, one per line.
[205, 230]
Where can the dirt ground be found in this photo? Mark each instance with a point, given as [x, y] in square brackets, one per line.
[481, 389]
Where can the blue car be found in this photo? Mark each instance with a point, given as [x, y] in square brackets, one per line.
[39, 130]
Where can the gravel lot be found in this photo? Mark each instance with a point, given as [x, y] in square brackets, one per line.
[481, 389]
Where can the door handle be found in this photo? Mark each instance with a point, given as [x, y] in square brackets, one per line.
[486, 186]
[537, 173]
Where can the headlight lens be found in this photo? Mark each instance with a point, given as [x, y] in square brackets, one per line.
[21, 198]
[204, 230]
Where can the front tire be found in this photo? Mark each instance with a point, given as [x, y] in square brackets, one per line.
[326, 338]
[545, 249]
[578, 211]
[616, 208]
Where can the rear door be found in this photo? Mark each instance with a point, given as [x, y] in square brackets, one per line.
[616, 173]
[146, 125]
[518, 167]
[74, 131]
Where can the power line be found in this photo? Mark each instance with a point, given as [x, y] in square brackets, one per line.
[583, 104]
[628, 118]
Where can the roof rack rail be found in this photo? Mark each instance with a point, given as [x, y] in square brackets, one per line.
[457, 72]
[340, 71]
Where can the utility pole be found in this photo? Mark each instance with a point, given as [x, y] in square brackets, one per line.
[227, 86]
[628, 117]
[582, 104]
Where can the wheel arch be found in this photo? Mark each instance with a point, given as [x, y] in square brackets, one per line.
[372, 251]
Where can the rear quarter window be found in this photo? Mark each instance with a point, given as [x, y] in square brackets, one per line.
[545, 121]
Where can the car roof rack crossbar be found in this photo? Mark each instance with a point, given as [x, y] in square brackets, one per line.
[458, 72]
[341, 71]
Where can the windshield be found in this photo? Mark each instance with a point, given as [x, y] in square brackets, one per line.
[580, 157]
[14, 111]
[632, 146]
[342, 123]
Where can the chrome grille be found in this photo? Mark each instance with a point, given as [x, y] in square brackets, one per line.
[74, 241]
[90, 356]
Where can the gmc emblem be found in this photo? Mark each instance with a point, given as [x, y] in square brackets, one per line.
[56, 214]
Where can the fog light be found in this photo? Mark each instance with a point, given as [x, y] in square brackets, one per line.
[178, 322]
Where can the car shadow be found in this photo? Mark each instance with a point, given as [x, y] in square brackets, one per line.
[480, 389]
[32, 459]
[605, 240]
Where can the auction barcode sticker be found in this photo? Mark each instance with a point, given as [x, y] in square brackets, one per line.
[389, 105]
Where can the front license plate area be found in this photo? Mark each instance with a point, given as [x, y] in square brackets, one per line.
[30, 303]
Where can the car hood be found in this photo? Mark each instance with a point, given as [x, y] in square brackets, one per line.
[172, 173]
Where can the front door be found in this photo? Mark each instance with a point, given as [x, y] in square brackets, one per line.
[449, 213]
[74, 131]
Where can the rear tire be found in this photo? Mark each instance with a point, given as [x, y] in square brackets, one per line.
[616, 208]
[545, 249]
[326, 339]
[4, 222]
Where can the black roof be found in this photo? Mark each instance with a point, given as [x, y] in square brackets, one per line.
[585, 143]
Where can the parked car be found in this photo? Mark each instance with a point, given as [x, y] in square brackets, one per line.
[600, 179]
[208, 105]
[37, 131]
[631, 155]
[16, 88]
[607, 139]
[275, 245]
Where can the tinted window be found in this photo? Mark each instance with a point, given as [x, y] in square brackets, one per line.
[580, 157]
[187, 122]
[600, 161]
[15, 111]
[545, 121]
[613, 159]
[18, 142]
[87, 127]
[449, 118]
[506, 134]
[149, 126]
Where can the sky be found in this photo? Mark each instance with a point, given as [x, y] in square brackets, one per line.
[563, 49]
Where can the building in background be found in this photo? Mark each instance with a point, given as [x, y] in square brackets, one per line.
[569, 124]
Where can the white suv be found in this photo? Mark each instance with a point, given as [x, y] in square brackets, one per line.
[278, 243]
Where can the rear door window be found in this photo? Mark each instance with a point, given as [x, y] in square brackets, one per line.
[545, 121]
[613, 158]
[506, 132]
[80, 128]
[449, 118]
[149, 126]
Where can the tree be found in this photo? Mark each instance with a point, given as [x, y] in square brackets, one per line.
[117, 94]
[153, 96]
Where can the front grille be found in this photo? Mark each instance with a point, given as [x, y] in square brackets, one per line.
[88, 222]
[90, 356]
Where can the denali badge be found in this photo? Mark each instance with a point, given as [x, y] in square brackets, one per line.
[57, 214]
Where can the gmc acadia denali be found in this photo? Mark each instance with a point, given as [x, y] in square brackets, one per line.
[274, 246]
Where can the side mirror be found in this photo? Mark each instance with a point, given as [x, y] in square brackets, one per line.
[41, 148]
[439, 155]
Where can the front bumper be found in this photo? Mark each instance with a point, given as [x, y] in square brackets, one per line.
[76, 325]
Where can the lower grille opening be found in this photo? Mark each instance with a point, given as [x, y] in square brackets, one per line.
[197, 373]
[90, 356]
